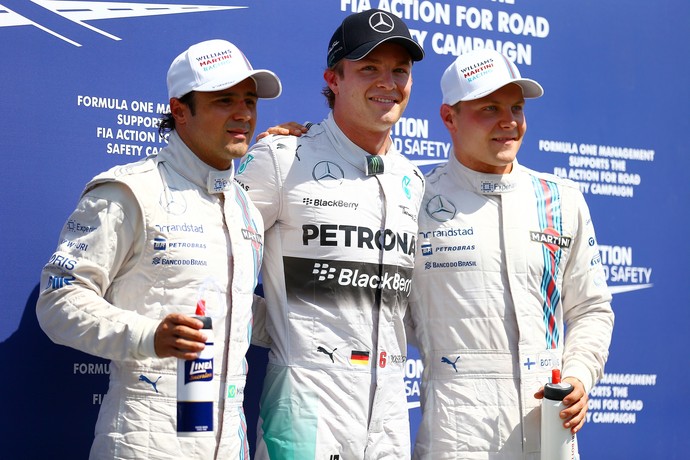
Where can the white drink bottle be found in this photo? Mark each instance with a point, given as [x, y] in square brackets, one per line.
[557, 442]
[195, 389]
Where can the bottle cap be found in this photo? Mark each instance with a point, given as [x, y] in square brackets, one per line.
[208, 322]
[557, 390]
[555, 376]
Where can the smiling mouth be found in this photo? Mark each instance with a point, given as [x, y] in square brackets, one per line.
[385, 100]
[237, 132]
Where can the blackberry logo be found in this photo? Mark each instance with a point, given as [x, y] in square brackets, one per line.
[323, 203]
[324, 271]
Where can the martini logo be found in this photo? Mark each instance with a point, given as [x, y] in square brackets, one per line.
[551, 239]
[58, 17]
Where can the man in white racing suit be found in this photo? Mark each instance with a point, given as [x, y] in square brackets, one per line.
[340, 206]
[153, 243]
[508, 280]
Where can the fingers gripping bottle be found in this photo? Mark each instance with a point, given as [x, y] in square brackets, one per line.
[557, 442]
[195, 389]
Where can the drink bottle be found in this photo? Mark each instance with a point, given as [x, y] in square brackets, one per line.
[557, 442]
[195, 389]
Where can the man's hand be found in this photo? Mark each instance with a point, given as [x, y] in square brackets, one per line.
[179, 336]
[575, 403]
[291, 128]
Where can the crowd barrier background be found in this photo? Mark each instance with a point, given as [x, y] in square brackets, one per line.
[83, 82]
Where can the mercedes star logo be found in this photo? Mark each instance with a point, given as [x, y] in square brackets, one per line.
[173, 202]
[440, 209]
[328, 173]
[381, 22]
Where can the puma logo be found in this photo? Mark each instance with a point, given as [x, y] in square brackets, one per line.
[448, 361]
[143, 378]
[325, 352]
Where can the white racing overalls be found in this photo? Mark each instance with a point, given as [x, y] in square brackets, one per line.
[340, 247]
[508, 284]
[148, 239]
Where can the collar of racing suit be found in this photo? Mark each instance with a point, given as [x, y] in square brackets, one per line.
[189, 166]
[482, 183]
[351, 152]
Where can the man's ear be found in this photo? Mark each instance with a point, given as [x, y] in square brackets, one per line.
[179, 111]
[331, 78]
[447, 113]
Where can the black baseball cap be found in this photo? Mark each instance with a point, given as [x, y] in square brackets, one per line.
[360, 33]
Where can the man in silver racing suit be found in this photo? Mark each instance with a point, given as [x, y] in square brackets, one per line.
[147, 243]
[508, 280]
[340, 207]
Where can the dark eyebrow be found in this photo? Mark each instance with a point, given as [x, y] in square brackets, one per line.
[404, 61]
[237, 94]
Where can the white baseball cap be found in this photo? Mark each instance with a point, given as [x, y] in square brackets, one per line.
[480, 73]
[215, 65]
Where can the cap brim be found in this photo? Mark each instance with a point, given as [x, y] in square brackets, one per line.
[412, 47]
[530, 89]
[268, 84]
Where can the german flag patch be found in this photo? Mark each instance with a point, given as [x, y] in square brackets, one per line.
[360, 357]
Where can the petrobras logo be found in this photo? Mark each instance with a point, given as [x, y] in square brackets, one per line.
[359, 237]
[355, 277]
[52, 20]
[428, 249]
[324, 203]
[198, 370]
[160, 243]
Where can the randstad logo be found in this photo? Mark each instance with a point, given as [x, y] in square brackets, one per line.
[89, 11]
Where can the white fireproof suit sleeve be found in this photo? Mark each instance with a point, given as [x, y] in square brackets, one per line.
[72, 308]
[587, 311]
[264, 175]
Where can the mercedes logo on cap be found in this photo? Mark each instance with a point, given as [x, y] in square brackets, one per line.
[328, 173]
[440, 209]
[381, 22]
